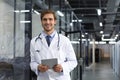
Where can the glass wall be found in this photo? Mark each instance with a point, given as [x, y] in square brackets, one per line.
[15, 37]
[18, 24]
[6, 30]
[6, 39]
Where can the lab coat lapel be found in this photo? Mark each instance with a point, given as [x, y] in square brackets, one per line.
[54, 42]
[44, 51]
[44, 42]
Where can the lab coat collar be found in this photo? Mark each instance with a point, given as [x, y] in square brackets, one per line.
[52, 34]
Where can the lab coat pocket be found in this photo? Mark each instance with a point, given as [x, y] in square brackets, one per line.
[62, 56]
[37, 56]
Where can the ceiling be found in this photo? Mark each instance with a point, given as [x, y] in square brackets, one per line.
[86, 10]
[110, 16]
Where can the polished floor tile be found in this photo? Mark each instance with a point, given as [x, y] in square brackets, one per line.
[100, 71]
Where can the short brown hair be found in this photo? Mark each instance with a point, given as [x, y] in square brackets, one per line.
[47, 12]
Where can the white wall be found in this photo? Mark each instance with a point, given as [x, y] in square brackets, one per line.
[36, 25]
[116, 58]
[7, 37]
[6, 30]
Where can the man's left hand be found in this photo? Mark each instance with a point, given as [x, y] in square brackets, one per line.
[58, 68]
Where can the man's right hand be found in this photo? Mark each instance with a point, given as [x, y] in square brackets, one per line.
[42, 68]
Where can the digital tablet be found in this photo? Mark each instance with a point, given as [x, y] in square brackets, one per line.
[50, 62]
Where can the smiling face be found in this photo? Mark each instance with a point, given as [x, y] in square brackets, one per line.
[48, 23]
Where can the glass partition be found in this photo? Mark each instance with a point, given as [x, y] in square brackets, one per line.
[15, 39]
[6, 30]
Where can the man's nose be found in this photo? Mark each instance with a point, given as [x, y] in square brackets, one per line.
[47, 21]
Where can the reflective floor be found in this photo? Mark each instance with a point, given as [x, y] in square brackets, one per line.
[100, 71]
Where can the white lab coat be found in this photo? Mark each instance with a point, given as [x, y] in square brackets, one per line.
[65, 55]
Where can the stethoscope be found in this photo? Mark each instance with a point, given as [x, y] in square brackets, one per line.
[58, 43]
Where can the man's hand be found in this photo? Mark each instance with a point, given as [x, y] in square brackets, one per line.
[58, 68]
[42, 68]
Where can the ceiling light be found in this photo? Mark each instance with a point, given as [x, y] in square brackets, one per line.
[74, 42]
[101, 32]
[23, 11]
[107, 39]
[36, 12]
[96, 42]
[99, 12]
[100, 24]
[117, 35]
[80, 20]
[112, 42]
[60, 13]
[102, 42]
[83, 35]
[17, 11]
[71, 24]
[25, 21]
[86, 33]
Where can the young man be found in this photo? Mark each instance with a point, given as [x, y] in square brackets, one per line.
[59, 47]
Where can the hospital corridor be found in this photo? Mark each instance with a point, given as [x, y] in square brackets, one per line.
[91, 30]
[100, 71]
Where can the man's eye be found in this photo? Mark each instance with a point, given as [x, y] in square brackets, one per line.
[44, 19]
[50, 19]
